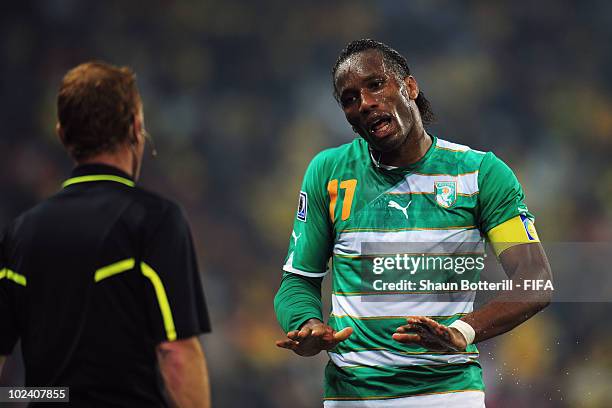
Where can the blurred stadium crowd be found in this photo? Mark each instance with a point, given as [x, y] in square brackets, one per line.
[238, 98]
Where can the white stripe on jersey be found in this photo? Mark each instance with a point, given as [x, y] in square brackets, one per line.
[444, 144]
[458, 399]
[418, 304]
[441, 241]
[389, 358]
[288, 267]
[467, 183]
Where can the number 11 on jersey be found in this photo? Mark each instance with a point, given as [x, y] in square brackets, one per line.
[349, 187]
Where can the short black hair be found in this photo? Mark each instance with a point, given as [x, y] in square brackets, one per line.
[398, 63]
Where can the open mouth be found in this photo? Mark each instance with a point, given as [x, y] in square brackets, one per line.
[381, 126]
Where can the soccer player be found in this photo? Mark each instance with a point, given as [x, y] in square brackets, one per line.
[399, 184]
[100, 281]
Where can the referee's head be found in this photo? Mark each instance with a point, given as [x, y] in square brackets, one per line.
[100, 115]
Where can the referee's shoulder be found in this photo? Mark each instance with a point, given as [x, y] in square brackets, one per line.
[157, 207]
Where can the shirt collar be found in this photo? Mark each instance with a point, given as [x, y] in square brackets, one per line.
[98, 172]
[410, 168]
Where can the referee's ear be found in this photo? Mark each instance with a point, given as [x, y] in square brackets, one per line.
[137, 128]
[60, 133]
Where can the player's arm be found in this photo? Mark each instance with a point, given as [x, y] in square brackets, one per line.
[183, 367]
[505, 312]
[298, 300]
[509, 228]
[500, 315]
[298, 308]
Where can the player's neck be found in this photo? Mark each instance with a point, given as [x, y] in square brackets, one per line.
[121, 159]
[416, 146]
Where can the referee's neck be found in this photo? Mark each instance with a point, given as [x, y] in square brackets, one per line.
[122, 159]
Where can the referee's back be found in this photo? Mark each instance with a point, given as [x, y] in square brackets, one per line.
[100, 282]
[98, 279]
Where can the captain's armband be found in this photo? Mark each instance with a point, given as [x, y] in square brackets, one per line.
[515, 231]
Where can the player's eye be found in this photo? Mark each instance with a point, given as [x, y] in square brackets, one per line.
[348, 100]
[376, 84]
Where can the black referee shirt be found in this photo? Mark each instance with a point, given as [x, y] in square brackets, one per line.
[91, 280]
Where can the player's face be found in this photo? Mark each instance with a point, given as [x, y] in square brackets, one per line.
[375, 102]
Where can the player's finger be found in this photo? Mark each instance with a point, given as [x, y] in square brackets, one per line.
[428, 325]
[318, 331]
[343, 334]
[430, 322]
[305, 332]
[416, 323]
[288, 344]
[406, 328]
[406, 338]
[418, 320]
[293, 335]
[437, 328]
[410, 328]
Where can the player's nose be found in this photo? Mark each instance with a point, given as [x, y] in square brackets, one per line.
[368, 101]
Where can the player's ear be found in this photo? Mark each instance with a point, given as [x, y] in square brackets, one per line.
[412, 86]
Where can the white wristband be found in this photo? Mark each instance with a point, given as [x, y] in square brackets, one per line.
[465, 329]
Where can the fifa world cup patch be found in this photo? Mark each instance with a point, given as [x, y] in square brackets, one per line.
[302, 210]
[446, 193]
[532, 235]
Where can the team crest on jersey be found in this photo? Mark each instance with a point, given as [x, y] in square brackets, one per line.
[446, 193]
[302, 211]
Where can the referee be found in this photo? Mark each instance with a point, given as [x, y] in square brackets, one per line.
[100, 281]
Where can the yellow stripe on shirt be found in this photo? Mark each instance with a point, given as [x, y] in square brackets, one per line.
[13, 276]
[162, 300]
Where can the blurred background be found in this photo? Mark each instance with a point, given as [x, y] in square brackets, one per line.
[238, 98]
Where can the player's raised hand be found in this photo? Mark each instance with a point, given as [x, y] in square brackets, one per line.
[313, 337]
[430, 334]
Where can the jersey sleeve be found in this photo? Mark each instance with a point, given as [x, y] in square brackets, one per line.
[311, 238]
[298, 299]
[173, 288]
[8, 326]
[501, 195]
[504, 217]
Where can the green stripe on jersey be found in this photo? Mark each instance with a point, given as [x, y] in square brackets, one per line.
[375, 334]
[364, 383]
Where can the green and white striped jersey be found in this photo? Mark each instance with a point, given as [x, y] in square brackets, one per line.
[453, 195]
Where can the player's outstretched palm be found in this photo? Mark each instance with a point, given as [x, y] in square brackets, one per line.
[313, 337]
[430, 334]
